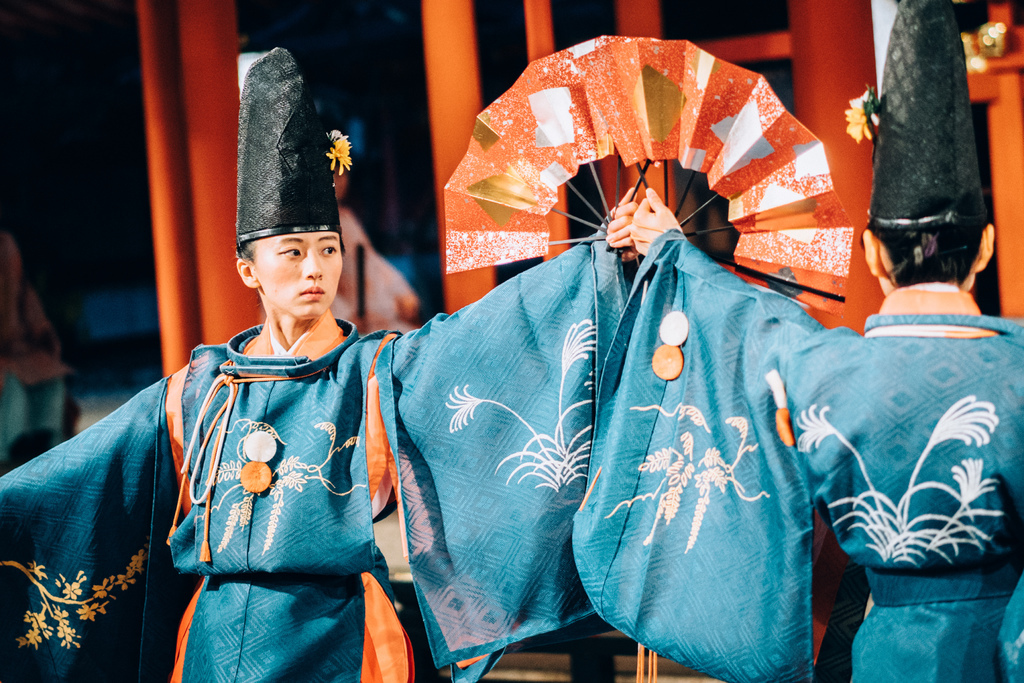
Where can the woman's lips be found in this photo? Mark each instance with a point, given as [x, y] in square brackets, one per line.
[314, 292]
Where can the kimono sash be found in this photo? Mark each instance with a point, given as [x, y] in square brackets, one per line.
[315, 517]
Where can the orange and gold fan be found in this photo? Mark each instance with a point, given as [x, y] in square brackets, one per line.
[650, 101]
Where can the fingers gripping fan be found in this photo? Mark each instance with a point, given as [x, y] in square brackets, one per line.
[666, 103]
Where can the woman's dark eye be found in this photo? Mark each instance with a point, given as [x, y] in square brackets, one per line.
[330, 250]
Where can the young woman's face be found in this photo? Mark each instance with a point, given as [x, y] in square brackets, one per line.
[296, 275]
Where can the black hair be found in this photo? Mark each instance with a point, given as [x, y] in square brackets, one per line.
[247, 250]
[942, 254]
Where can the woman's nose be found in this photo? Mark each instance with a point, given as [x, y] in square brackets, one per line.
[314, 269]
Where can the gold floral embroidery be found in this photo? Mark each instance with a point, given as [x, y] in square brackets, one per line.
[680, 471]
[53, 618]
[290, 475]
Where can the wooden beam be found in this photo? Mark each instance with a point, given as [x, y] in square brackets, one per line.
[208, 36]
[11, 18]
[49, 16]
[984, 87]
[638, 18]
[760, 47]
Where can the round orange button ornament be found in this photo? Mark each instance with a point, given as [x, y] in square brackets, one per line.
[667, 362]
[256, 476]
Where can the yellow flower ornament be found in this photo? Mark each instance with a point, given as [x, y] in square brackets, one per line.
[340, 153]
[862, 116]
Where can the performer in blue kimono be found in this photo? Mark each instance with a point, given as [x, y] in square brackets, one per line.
[907, 439]
[255, 472]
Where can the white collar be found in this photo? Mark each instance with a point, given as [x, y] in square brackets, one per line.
[278, 347]
[934, 287]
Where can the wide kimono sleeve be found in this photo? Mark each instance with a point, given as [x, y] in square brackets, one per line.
[87, 588]
[696, 537]
[490, 414]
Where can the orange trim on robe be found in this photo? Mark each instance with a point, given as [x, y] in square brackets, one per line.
[379, 458]
[826, 578]
[172, 406]
[387, 651]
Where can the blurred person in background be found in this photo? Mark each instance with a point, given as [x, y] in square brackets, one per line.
[372, 293]
[32, 390]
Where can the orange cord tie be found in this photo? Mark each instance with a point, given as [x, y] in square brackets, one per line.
[646, 665]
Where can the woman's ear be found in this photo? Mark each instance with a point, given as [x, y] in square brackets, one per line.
[985, 249]
[875, 257]
[873, 254]
[248, 273]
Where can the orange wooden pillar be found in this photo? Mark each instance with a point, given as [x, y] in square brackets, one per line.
[833, 61]
[208, 33]
[638, 18]
[453, 101]
[169, 191]
[1006, 123]
[540, 42]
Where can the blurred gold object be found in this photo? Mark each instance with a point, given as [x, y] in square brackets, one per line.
[483, 133]
[501, 196]
[988, 41]
[659, 101]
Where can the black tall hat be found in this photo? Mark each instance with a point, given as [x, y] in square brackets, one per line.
[925, 162]
[285, 182]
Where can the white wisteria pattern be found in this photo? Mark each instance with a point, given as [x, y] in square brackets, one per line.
[290, 474]
[894, 534]
[554, 460]
[680, 471]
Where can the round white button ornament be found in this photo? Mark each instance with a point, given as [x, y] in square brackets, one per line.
[675, 328]
[260, 447]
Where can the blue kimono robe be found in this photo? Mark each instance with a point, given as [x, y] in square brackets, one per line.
[696, 539]
[490, 413]
[283, 596]
[87, 588]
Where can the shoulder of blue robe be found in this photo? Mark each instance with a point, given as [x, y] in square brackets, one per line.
[696, 536]
[490, 414]
[87, 588]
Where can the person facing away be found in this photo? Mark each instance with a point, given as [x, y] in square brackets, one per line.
[910, 436]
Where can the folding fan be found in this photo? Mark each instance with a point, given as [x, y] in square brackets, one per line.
[651, 101]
